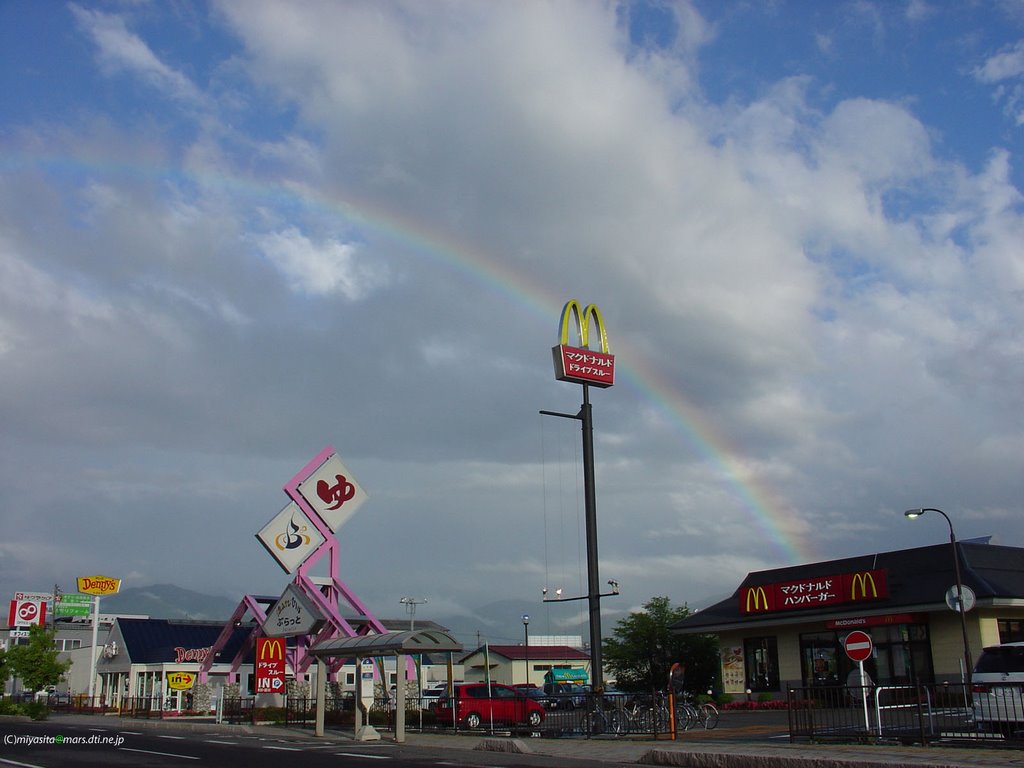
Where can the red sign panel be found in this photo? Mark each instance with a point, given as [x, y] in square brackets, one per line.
[25, 613]
[584, 366]
[857, 645]
[270, 669]
[814, 593]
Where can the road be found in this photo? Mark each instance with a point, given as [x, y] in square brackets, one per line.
[67, 744]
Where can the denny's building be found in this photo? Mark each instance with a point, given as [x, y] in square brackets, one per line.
[785, 627]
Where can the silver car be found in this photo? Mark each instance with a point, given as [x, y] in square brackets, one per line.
[998, 690]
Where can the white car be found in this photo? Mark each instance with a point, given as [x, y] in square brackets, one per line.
[998, 690]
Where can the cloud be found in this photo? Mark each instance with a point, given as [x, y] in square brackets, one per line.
[120, 50]
[319, 269]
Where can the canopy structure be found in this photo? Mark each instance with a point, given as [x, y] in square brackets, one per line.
[397, 644]
[387, 644]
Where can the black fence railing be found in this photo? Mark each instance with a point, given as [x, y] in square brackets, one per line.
[908, 713]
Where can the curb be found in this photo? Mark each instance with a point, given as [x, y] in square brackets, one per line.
[515, 746]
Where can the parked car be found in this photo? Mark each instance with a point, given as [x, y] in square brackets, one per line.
[998, 689]
[566, 695]
[475, 708]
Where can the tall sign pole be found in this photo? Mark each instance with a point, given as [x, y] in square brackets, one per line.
[587, 367]
[97, 586]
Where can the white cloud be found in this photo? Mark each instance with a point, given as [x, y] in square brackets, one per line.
[121, 50]
[319, 269]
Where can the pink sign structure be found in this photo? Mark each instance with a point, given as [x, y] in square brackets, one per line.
[326, 495]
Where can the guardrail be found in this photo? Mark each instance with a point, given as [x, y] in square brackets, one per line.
[907, 713]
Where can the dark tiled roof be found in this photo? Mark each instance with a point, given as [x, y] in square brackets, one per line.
[918, 579]
[153, 641]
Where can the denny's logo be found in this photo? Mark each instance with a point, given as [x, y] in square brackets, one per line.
[582, 364]
[98, 585]
[811, 593]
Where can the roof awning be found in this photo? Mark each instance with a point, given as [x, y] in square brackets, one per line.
[387, 643]
[566, 676]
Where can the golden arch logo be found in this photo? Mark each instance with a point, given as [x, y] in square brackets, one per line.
[861, 581]
[271, 649]
[582, 364]
[756, 600]
[583, 318]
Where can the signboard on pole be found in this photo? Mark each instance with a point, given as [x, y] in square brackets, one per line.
[99, 585]
[43, 597]
[270, 667]
[858, 645]
[25, 613]
[582, 364]
[292, 614]
[333, 493]
[290, 537]
[72, 605]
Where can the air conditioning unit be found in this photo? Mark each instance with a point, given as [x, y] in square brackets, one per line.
[110, 651]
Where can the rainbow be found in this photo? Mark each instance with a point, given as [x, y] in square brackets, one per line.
[768, 512]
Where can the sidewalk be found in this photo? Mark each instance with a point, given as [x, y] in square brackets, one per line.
[691, 752]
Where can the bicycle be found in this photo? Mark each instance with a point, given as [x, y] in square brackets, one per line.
[690, 714]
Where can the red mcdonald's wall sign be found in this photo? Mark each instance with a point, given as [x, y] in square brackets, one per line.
[815, 592]
[269, 662]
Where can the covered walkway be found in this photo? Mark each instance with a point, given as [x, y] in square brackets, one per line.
[397, 644]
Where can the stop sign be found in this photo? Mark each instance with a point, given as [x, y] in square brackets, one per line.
[857, 645]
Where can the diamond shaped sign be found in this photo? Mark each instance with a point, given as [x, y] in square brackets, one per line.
[290, 537]
[332, 492]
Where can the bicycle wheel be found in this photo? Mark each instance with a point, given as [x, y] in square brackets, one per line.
[708, 715]
[683, 716]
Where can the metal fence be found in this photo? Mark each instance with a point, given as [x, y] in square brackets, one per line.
[908, 713]
[581, 715]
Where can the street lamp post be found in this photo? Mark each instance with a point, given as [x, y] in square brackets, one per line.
[526, 645]
[913, 513]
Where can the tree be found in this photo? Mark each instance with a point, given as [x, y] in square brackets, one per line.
[5, 670]
[36, 661]
[642, 650]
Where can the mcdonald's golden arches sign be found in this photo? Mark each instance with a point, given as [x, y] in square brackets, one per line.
[853, 587]
[270, 664]
[582, 364]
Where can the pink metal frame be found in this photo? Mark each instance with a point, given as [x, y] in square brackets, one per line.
[326, 597]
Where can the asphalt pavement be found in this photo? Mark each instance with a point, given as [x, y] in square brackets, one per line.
[741, 744]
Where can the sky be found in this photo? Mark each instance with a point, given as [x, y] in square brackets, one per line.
[235, 233]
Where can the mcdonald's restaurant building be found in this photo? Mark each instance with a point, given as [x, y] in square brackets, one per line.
[785, 628]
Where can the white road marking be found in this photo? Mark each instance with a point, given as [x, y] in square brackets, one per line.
[363, 755]
[162, 754]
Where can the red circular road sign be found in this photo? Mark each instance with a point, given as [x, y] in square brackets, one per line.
[857, 645]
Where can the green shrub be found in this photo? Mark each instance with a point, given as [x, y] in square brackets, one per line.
[37, 710]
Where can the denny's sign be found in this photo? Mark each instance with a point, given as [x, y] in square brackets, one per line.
[98, 585]
[812, 593]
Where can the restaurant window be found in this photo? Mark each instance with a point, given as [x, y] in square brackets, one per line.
[761, 658]
[819, 658]
[901, 656]
[1011, 630]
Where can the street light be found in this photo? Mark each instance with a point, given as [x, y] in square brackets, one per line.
[410, 604]
[526, 646]
[911, 514]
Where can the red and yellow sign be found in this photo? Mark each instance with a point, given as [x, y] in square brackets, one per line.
[98, 585]
[181, 681]
[815, 592]
[270, 667]
[582, 364]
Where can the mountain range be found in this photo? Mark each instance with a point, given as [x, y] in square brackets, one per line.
[498, 623]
